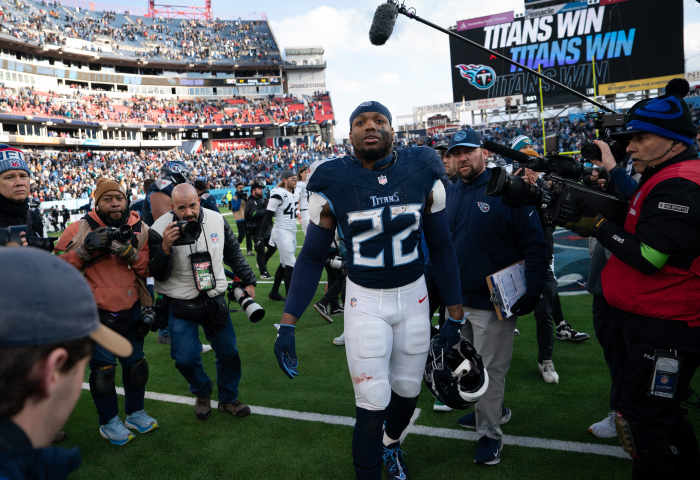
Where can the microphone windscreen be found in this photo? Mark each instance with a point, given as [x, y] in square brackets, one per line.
[504, 151]
[383, 23]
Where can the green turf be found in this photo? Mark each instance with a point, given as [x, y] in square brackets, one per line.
[262, 447]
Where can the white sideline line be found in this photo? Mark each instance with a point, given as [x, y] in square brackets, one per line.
[449, 433]
[272, 281]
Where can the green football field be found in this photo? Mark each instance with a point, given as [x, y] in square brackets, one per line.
[301, 428]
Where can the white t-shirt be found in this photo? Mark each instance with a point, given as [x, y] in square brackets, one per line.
[284, 204]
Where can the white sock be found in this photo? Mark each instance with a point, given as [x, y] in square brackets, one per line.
[387, 440]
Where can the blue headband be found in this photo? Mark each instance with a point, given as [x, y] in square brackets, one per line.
[371, 106]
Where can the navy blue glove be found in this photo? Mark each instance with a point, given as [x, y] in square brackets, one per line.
[285, 350]
[450, 331]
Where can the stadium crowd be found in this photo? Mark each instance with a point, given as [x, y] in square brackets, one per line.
[151, 110]
[66, 175]
[49, 23]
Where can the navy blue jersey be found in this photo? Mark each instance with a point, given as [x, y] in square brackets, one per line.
[378, 213]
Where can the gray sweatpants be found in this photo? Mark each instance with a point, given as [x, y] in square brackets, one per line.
[493, 339]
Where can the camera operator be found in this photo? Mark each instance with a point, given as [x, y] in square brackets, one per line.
[255, 210]
[48, 329]
[14, 201]
[652, 283]
[110, 246]
[189, 247]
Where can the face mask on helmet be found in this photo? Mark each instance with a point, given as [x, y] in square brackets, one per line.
[175, 171]
[456, 376]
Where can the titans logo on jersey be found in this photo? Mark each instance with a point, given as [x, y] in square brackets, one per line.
[378, 213]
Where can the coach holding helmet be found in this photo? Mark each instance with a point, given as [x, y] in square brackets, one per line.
[652, 281]
[187, 261]
[115, 269]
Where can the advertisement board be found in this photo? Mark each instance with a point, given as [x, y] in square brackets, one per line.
[626, 39]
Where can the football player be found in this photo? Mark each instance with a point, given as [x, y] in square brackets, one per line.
[380, 199]
[283, 206]
[303, 197]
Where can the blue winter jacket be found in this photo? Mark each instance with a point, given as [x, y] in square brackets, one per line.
[489, 236]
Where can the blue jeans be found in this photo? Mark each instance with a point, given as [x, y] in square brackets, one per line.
[104, 360]
[186, 350]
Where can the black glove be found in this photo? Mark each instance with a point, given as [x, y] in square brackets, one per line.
[97, 240]
[525, 304]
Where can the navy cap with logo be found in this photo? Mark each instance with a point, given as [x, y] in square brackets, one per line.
[46, 301]
[466, 137]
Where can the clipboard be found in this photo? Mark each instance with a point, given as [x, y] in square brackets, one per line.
[506, 287]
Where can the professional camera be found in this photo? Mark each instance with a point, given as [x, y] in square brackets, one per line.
[189, 232]
[253, 310]
[561, 183]
[120, 234]
[607, 125]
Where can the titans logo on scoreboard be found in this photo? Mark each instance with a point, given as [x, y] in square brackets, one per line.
[480, 76]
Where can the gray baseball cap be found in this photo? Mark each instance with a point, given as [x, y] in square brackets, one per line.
[44, 300]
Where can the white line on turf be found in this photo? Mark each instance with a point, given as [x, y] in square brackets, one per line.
[449, 433]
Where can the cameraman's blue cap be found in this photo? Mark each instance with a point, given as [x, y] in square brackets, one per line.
[371, 106]
[46, 301]
[466, 137]
[12, 158]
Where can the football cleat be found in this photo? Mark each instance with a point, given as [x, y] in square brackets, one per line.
[392, 457]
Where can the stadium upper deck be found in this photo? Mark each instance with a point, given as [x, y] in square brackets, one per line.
[121, 36]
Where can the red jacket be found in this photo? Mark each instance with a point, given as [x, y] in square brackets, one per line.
[113, 282]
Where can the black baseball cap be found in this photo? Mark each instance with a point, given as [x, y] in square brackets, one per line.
[44, 300]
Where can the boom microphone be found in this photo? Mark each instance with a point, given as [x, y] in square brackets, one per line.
[383, 23]
[504, 151]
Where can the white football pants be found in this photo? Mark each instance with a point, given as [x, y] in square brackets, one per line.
[286, 243]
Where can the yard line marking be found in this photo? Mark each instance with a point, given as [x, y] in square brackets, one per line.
[414, 417]
[448, 433]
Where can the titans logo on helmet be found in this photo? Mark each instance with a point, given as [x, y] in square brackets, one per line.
[480, 76]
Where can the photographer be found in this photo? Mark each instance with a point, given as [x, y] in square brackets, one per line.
[43, 354]
[189, 246]
[652, 283]
[14, 201]
[110, 246]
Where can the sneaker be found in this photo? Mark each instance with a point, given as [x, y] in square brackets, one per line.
[488, 451]
[469, 420]
[116, 432]
[337, 309]
[549, 374]
[438, 406]
[516, 332]
[206, 348]
[339, 340]
[141, 422]
[265, 276]
[202, 408]
[392, 457]
[566, 333]
[237, 409]
[322, 310]
[276, 296]
[605, 428]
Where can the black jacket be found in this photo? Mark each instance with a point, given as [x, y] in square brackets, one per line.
[161, 265]
[19, 460]
[255, 209]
